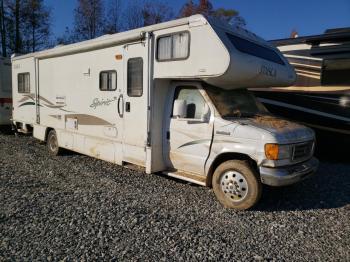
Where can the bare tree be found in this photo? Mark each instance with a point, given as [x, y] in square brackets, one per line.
[156, 12]
[89, 19]
[113, 21]
[66, 38]
[143, 13]
[133, 16]
[188, 9]
[3, 29]
[36, 25]
[27, 24]
[18, 40]
[206, 8]
[14, 25]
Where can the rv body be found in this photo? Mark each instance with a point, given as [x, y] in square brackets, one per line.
[149, 97]
[5, 92]
[320, 98]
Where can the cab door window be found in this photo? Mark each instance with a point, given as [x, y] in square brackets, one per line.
[194, 101]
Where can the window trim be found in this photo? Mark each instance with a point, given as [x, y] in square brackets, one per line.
[127, 76]
[24, 73]
[116, 80]
[173, 59]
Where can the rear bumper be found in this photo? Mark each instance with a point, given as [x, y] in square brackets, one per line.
[283, 176]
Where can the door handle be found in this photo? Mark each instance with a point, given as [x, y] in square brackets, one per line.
[121, 113]
[127, 106]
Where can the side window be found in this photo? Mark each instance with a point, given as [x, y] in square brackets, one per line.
[135, 77]
[108, 80]
[194, 100]
[248, 47]
[23, 83]
[173, 47]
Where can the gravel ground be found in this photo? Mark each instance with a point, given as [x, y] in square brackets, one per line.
[74, 207]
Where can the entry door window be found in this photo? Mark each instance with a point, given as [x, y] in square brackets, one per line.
[135, 77]
[194, 100]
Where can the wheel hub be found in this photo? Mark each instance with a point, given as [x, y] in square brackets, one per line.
[53, 145]
[234, 185]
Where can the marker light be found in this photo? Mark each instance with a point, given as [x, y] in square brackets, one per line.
[278, 152]
[271, 151]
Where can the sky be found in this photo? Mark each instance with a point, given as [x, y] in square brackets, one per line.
[270, 19]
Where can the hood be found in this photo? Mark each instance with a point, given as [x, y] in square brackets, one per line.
[282, 129]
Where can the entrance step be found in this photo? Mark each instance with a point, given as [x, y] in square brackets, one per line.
[189, 177]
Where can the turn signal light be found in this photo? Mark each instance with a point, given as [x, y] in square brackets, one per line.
[271, 151]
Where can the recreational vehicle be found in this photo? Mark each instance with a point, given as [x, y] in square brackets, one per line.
[5, 92]
[320, 97]
[170, 98]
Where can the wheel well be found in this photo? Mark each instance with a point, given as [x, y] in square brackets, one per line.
[47, 133]
[225, 157]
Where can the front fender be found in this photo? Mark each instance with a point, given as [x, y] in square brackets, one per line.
[224, 146]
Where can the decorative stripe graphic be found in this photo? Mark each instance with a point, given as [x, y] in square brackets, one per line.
[84, 119]
[197, 142]
[204, 141]
[27, 104]
[48, 104]
[88, 120]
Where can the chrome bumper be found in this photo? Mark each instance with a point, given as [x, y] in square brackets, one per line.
[283, 176]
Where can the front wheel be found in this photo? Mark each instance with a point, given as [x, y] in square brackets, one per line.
[236, 185]
[52, 143]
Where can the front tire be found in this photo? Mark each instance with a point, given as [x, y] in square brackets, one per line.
[52, 143]
[236, 185]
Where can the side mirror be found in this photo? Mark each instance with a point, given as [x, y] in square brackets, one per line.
[206, 113]
[180, 108]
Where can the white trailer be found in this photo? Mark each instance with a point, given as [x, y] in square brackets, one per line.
[5, 91]
[170, 98]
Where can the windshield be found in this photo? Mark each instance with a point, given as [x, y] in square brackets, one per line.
[235, 103]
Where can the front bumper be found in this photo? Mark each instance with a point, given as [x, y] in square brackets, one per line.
[283, 176]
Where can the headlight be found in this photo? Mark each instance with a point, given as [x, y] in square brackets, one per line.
[277, 152]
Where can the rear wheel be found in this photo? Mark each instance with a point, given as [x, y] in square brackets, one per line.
[236, 185]
[52, 143]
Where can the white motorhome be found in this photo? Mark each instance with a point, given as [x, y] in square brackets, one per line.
[5, 91]
[170, 98]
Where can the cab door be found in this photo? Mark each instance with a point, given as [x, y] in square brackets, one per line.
[135, 103]
[190, 137]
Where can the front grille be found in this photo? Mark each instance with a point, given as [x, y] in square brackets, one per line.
[303, 150]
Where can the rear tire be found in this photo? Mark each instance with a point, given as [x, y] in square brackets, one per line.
[52, 143]
[236, 185]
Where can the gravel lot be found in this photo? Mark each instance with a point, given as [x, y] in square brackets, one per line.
[74, 207]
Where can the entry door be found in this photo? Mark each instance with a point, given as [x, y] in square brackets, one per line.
[135, 104]
[190, 137]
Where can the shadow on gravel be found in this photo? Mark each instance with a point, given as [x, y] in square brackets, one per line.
[6, 130]
[332, 148]
[329, 188]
